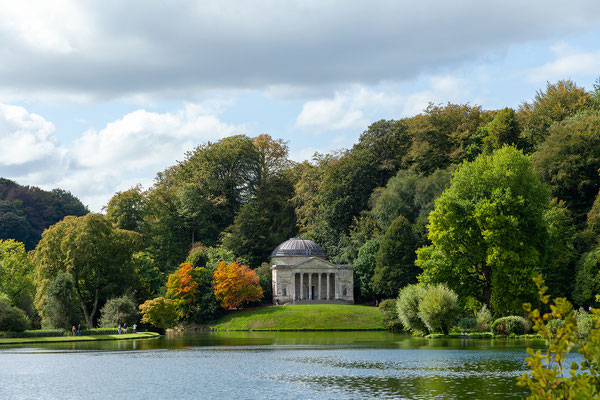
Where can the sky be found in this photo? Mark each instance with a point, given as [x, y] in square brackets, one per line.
[99, 96]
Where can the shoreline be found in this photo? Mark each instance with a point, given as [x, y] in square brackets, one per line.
[66, 339]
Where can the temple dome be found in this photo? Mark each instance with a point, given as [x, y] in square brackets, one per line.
[298, 247]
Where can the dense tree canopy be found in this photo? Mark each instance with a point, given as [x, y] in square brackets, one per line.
[96, 255]
[25, 211]
[490, 230]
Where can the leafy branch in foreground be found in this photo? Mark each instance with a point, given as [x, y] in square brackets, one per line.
[550, 377]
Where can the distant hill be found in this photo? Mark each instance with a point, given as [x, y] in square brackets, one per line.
[25, 211]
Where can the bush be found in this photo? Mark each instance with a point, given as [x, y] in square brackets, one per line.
[438, 308]
[407, 306]
[554, 325]
[467, 324]
[512, 325]
[12, 319]
[484, 319]
[118, 310]
[389, 314]
[585, 323]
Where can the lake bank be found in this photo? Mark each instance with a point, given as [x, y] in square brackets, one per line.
[302, 317]
[65, 339]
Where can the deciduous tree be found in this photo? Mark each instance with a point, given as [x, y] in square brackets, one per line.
[235, 285]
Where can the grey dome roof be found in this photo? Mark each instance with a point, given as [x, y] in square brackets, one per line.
[298, 247]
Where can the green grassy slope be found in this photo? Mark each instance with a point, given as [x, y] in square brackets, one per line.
[302, 317]
[54, 339]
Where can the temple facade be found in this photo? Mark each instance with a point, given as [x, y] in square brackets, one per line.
[302, 275]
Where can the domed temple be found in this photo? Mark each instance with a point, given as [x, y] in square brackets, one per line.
[302, 274]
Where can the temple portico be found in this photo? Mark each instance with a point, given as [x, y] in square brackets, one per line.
[302, 274]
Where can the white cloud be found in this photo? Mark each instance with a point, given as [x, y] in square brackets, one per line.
[568, 63]
[25, 138]
[442, 89]
[125, 152]
[349, 109]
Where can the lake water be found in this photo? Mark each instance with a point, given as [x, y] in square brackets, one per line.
[248, 365]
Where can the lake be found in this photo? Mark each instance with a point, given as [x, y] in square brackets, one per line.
[265, 365]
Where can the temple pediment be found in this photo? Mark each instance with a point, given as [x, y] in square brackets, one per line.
[314, 262]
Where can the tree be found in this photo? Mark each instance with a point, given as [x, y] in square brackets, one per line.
[395, 258]
[587, 278]
[12, 318]
[407, 306]
[364, 268]
[235, 285]
[265, 278]
[559, 101]
[569, 161]
[126, 209]
[61, 308]
[490, 230]
[503, 130]
[16, 275]
[438, 308]
[159, 312]
[559, 267]
[97, 255]
[118, 311]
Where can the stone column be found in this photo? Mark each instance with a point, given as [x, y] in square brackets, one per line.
[293, 291]
[310, 286]
[337, 284]
[319, 288]
[301, 285]
[328, 279]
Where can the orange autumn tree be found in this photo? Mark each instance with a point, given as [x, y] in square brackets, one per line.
[236, 284]
[182, 288]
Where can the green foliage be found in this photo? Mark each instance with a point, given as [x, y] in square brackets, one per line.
[550, 376]
[265, 278]
[407, 306]
[197, 256]
[438, 308]
[126, 209]
[467, 324]
[559, 268]
[559, 101]
[503, 130]
[16, 275]
[389, 313]
[488, 231]
[97, 255]
[364, 268]
[61, 308]
[484, 319]
[511, 325]
[160, 312]
[149, 280]
[593, 222]
[118, 310]
[34, 333]
[569, 160]
[587, 279]
[25, 211]
[12, 318]
[395, 267]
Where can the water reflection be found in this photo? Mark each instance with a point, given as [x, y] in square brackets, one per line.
[248, 365]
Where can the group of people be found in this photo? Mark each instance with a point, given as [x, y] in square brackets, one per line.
[123, 329]
[76, 331]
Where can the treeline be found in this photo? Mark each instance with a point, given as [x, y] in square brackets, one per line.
[25, 211]
[479, 200]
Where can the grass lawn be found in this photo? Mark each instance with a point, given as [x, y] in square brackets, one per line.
[55, 339]
[302, 317]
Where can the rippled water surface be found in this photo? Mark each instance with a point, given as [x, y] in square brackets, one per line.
[298, 365]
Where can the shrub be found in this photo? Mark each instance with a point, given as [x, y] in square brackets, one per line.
[118, 310]
[554, 325]
[467, 324]
[585, 323]
[160, 312]
[12, 319]
[438, 308]
[512, 325]
[389, 314]
[407, 306]
[484, 319]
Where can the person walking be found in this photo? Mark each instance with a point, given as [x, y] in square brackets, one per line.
[134, 328]
[79, 330]
[73, 329]
[125, 328]
[119, 329]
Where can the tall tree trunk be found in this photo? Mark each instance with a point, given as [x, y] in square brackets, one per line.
[487, 282]
[89, 316]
